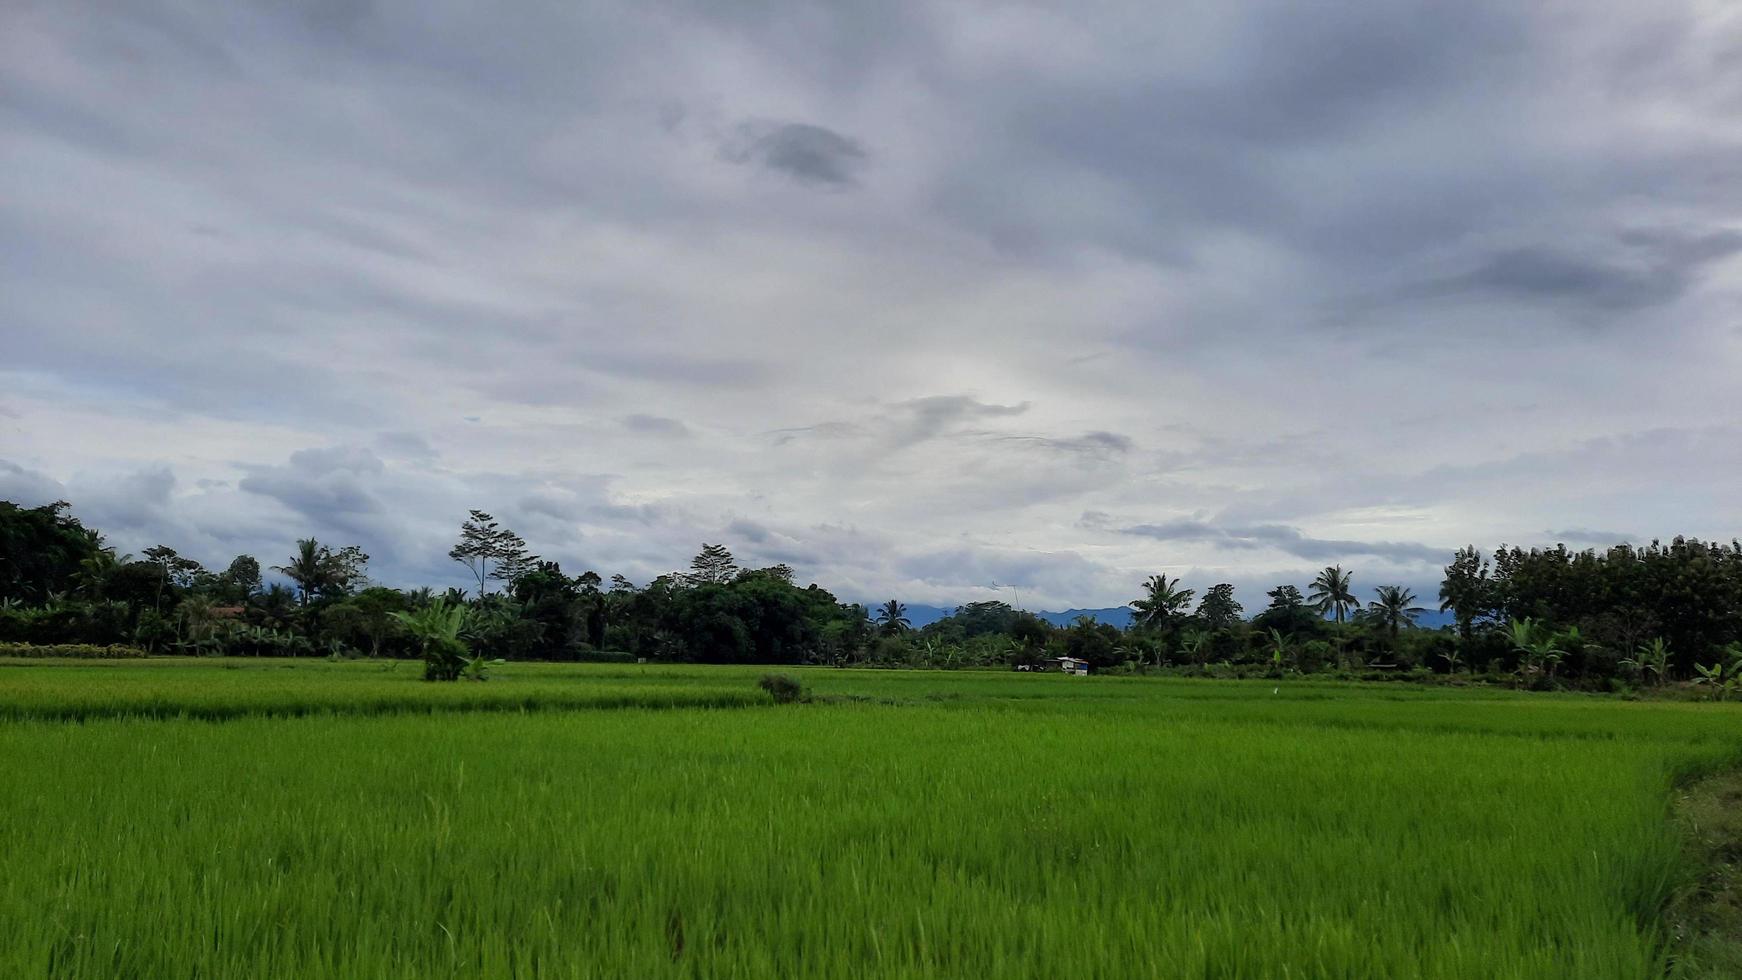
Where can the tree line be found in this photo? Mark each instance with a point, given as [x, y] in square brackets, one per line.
[1542, 617]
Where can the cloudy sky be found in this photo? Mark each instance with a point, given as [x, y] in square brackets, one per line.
[915, 297]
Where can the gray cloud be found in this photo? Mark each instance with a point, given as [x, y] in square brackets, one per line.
[1290, 540]
[322, 484]
[809, 154]
[1652, 269]
[1281, 269]
[655, 425]
[1087, 444]
[1587, 536]
[28, 488]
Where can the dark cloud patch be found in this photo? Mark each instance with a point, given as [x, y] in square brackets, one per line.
[1284, 538]
[809, 154]
[1097, 443]
[1648, 268]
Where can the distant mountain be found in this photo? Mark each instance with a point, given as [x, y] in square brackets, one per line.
[1119, 616]
[921, 615]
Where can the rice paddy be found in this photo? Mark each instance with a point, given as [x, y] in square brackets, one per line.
[268, 819]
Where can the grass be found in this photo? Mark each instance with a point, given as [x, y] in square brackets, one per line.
[347, 821]
[1706, 916]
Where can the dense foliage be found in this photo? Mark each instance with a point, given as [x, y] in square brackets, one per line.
[1543, 617]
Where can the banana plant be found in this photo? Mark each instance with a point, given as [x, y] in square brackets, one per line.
[1539, 651]
[1721, 680]
[1278, 650]
[1193, 644]
[437, 627]
[1651, 659]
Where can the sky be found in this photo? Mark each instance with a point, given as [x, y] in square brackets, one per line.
[942, 301]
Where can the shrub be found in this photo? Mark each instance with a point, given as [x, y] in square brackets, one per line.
[785, 689]
[73, 651]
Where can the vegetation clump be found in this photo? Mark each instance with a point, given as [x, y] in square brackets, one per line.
[437, 627]
[70, 651]
[783, 688]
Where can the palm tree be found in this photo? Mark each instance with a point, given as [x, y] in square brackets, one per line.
[276, 605]
[1333, 592]
[1395, 608]
[309, 568]
[892, 618]
[1163, 601]
[94, 572]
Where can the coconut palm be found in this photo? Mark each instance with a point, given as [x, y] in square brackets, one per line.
[95, 571]
[310, 568]
[892, 618]
[1334, 593]
[1162, 602]
[1394, 609]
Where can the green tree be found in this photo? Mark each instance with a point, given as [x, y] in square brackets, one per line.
[1219, 609]
[892, 618]
[1394, 610]
[96, 571]
[1333, 592]
[310, 568]
[174, 571]
[41, 549]
[240, 581]
[1466, 592]
[1288, 612]
[1163, 603]
[714, 566]
[490, 551]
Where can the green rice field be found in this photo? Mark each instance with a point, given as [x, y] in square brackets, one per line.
[222, 819]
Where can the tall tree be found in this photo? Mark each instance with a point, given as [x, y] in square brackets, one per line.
[1333, 592]
[175, 571]
[1219, 609]
[1394, 609]
[41, 549]
[1466, 591]
[1162, 603]
[1287, 613]
[714, 566]
[241, 580]
[892, 618]
[490, 551]
[309, 568]
[96, 571]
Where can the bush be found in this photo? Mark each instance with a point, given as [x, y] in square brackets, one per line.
[783, 688]
[589, 655]
[72, 651]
